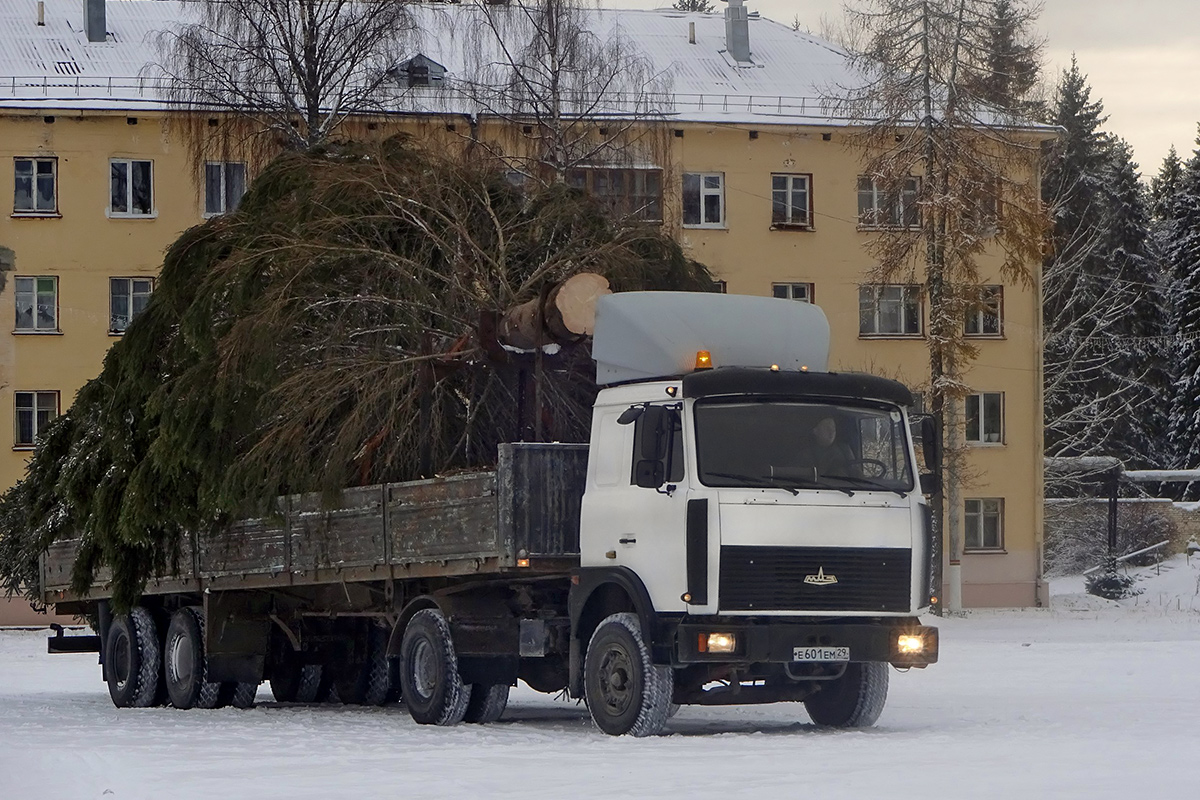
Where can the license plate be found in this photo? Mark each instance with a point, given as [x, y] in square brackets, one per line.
[820, 654]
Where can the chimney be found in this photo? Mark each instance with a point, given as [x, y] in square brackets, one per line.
[691, 33]
[94, 22]
[737, 31]
[41, 13]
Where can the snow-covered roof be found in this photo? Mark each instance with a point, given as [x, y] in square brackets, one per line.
[55, 66]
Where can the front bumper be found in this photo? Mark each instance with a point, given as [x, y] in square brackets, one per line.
[773, 642]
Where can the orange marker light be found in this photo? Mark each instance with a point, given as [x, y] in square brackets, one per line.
[703, 359]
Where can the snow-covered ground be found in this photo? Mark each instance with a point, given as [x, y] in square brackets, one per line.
[1091, 699]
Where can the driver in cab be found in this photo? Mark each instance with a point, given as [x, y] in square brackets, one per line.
[829, 456]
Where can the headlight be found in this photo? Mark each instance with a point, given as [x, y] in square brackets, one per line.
[907, 644]
[717, 643]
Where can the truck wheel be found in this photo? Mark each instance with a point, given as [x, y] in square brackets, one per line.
[185, 669]
[429, 679]
[625, 691]
[238, 695]
[294, 682]
[487, 702]
[854, 700]
[134, 659]
[370, 684]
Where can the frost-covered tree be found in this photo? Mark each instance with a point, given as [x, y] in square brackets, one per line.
[935, 131]
[702, 6]
[1013, 58]
[296, 68]
[1182, 255]
[1106, 374]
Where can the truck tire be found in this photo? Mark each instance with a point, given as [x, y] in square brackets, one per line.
[185, 668]
[370, 684]
[134, 659]
[854, 700]
[238, 694]
[625, 691]
[487, 702]
[294, 682]
[429, 679]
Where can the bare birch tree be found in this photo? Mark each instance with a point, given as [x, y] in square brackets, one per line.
[574, 92]
[294, 68]
[957, 177]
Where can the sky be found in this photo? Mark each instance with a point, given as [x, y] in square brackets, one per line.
[1142, 59]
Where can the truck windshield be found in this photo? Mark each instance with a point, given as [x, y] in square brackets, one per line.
[802, 445]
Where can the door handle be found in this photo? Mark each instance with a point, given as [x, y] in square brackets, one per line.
[627, 540]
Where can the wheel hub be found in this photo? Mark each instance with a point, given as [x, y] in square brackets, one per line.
[424, 669]
[181, 659]
[616, 684]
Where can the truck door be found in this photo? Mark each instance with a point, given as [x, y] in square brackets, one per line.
[639, 519]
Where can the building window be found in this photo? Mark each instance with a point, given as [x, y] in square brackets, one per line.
[889, 310]
[34, 411]
[984, 317]
[127, 297]
[132, 187]
[704, 199]
[984, 523]
[791, 201]
[224, 185]
[37, 304]
[623, 192]
[880, 208]
[793, 291]
[985, 418]
[35, 186]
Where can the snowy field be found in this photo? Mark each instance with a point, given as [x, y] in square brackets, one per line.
[1091, 699]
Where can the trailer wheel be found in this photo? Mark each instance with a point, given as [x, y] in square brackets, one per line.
[134, 659]
[429, 679]
[238, 694]
[185, 668]
[294, 682]
[854, 700]
[370, 684]
[487, 702]
[625, 691]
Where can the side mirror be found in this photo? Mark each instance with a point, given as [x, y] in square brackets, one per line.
[652, 435]
[650, 474]
[931, 483]
[631, 414]
[931, 444]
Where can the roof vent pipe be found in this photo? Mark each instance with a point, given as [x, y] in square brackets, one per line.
[95, 23]
[691, 33]
[737, 31]
[41, 13]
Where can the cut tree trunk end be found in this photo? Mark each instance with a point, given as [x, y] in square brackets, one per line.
[563, 315]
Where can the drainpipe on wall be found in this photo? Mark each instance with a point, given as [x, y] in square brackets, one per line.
[95, 22]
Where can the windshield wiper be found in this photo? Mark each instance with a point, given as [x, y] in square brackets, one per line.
[871, 482]
[756, 480]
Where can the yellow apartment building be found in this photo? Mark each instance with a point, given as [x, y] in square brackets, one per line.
[754, 182]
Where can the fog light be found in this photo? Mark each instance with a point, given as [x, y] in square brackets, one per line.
[907, 644]
[718, 643]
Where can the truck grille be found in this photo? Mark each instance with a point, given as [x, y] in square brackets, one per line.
[772, 578]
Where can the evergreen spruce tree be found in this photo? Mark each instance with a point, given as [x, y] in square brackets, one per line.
[1013, 59]
[1165, 185]
[1106, 376]
[1182, 256]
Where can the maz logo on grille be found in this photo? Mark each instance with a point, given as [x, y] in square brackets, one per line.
[820, 579]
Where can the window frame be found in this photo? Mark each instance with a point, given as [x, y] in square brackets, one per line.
[223, 194]
[584, 178]
[907, 290]
[33, 177]
[112, 213]
[788, 192]
[896, 222]
[790, 288]
[974, 525]
[112, 329]
[36, 394]
[704, 191]
[35, 330]
[979, 399]
[987, 295]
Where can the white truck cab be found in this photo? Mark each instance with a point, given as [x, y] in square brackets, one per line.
[765, 516]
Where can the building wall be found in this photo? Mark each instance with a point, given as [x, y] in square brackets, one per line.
[83, 247]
